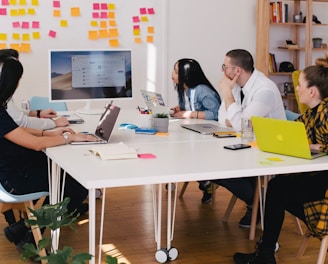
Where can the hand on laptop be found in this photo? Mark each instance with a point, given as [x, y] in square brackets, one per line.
[315, 147]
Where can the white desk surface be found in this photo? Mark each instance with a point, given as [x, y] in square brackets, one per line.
[182, 156]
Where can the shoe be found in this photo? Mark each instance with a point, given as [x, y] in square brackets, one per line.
[260, 256]
[207, 197]
[203, 185]
[246, 220]
[16, 232]
[27, 239]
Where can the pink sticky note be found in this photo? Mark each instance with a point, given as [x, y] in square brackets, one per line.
[104, 6]
[96, 6]
[147, 156]
[135, 19]
[136, 27]
[95, 15]
[56, 4]
[35, 24]
[16, 24]
[151, 11]
[5, 2]
[25, 25]
[103, 15]
[52, 33]
[3, 11]
[143, 11]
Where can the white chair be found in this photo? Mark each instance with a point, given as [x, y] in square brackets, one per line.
[38, 102]
[22, 202]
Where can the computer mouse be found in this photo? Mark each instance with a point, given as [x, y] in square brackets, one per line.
[128, 126]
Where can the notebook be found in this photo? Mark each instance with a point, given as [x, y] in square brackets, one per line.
[154, 101]
[206, 128]
[105, 125]
[283, 137]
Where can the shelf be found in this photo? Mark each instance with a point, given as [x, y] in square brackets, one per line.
[281, 73]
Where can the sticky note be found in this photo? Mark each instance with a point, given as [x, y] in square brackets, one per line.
[93, 34]
[3, 11]
[151, 11]
[143, 11]
[25, 47]
[150, 39]
[56, 4]
[36, 35]
[52, 33]
[75, 11]
[63, 23]
[35, 24]
[275, 159]
[147, 156]
[114, 43]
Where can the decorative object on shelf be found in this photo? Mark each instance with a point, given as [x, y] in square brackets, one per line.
[298, 18]
[314, 19]
[161, 122]
[286, 66]
[317, 42]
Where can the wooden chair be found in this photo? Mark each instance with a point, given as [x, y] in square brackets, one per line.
[22, 203]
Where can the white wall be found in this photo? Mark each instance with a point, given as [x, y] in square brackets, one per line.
[203, 30]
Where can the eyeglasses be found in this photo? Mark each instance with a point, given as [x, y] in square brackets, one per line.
[224, 67]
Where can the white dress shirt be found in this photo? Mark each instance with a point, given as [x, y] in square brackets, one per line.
[261, 98]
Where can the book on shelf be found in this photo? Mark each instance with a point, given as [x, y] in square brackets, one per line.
[272, 63]
[278, 12]
[114, 151]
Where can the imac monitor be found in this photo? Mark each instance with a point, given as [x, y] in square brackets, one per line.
[87, 75]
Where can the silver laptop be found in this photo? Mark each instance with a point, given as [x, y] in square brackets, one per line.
[154, 102]
[105, 125]
[206, 128]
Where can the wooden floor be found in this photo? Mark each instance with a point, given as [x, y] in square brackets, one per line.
[200, 235]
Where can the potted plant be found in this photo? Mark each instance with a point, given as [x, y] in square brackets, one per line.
[54, 217]
[161, 122]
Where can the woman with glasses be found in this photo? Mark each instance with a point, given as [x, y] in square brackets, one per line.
[196, 95]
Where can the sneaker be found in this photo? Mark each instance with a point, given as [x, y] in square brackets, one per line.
[16, 232]
[246, 220]
[203, 185]
[260, 256]
[207, 197]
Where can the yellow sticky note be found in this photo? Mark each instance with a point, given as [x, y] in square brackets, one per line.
[21, 12]
[64, 23]
[16, 36]
[26, 37]
[31, 11]
[136, 32]
[3, 36]
[13, 12]
[36, 35]
[111, 6]
[94, 23]
[275, 159]
[93, 34]
[12, 2]
[114, 43]
[35, 2]
[25, 47]
[144, 18]
[75, 11]
[22, 2]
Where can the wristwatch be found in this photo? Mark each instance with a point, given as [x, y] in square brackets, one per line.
[65, 135]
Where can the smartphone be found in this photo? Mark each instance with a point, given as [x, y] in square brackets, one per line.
[237, 146]
[223, 135]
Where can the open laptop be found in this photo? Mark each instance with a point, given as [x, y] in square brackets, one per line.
[206, 128]
[105, 125]
[154, 102]
[283, 137]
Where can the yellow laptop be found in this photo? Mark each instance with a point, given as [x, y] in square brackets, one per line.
[283, 137]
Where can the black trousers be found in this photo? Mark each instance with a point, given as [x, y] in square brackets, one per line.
[32, 176]
[289, 193]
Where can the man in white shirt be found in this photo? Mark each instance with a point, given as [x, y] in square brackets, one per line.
[261, 97]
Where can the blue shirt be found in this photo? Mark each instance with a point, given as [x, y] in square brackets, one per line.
[202, 98]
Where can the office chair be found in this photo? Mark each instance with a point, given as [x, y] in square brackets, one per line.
[38, 102]
[22, 202]
[301, 107]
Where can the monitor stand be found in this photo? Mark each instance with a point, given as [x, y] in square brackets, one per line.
[88, 110]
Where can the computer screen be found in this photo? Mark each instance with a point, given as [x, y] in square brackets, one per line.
[86, 75]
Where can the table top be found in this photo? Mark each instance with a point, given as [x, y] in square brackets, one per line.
[182, 156]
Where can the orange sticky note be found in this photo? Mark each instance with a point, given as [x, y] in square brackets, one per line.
[3, 46]
[112, 23]
[150, 39]
[151, 30]
[113, 32]
[103, 24]
[111, 15]
[56, 13]
[15, 46]
[103, 33]
[93, 34]
[138, 40]
[75, 11]
[25, 47]
[114, 43]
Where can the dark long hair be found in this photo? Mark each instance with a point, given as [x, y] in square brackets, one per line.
[190, 74]
[11, 72]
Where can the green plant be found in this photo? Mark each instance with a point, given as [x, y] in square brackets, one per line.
[161, 115]
[53, 217]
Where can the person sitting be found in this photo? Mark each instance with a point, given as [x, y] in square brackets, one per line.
[44, 119]
[245, 92]
[23, 164]
[294, 192]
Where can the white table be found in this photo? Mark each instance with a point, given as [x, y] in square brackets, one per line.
[182, 156]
